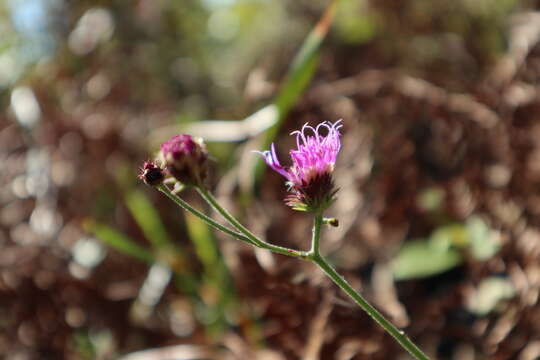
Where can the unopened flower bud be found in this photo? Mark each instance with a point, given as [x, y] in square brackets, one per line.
[186, 159]
[151, 174]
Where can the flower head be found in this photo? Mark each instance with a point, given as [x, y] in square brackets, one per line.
[185, 158]
[310, 176]
[151, 174]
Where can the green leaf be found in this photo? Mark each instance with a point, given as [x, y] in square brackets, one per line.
[453, 235]
[423, 258]
[148, 219]
[216, 289]
[355, 23]
[83, 345]
[164, 249]
[203, 241]
[304, 63]
[489, 294]
[483, 245]
[420, 259]
[431, 199]
[118, 241]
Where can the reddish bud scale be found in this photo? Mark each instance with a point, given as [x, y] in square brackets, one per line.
[151, 174]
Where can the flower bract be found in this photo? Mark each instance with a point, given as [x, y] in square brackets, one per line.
[151, 174]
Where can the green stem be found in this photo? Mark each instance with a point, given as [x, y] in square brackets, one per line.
[399, 335]
[184, 205]
[316, 235]
[254, 239]
[313, 255]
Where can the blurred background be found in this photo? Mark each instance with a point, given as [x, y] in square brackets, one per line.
[439, 177]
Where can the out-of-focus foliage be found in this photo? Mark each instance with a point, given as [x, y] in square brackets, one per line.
[445, 249]
[438, 177]
[489, 294]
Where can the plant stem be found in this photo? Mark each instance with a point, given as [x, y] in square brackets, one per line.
[316, 235]
[184, 205]
[313, 255]
[399, 335]
[252, 237]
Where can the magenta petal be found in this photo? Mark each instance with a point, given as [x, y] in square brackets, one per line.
[274, 156]
[271, 160]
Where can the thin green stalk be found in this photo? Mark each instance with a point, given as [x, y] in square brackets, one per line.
[184, 205]
[399, 335]
[313, 255]
[316, 235]
[254, 239]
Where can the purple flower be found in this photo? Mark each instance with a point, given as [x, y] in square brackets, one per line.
[185, 158]
[310, 176]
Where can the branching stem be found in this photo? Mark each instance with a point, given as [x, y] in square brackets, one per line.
[252, 237]
[184, 205]
[313, 255]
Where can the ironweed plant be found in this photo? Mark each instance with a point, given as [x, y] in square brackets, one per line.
[183, 161]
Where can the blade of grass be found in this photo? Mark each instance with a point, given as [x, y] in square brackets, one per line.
[165, 249]
[201, 238]
[216, 279]
[118, 241]
[184, 278]
[303, 65]
[148, 220]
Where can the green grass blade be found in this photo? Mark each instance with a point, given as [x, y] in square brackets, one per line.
[215, 278]
[202, 240]
[148, 220]
[303, 66]
[165, 249]
[118, 241]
